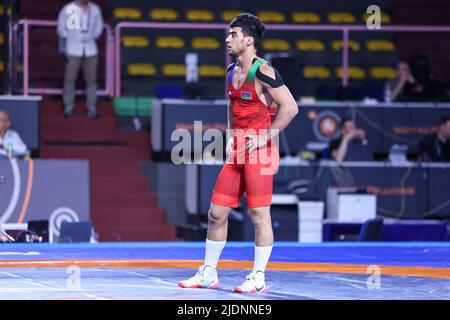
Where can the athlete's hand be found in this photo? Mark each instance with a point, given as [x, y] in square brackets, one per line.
[255, 141]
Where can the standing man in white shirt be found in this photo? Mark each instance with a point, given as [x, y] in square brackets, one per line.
[80, 24]
[11, 145]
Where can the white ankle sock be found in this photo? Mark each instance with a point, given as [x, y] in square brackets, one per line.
[213, 251]
[262, 255]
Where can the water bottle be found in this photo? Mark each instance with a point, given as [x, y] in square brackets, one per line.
[10, 151]
[137, 123]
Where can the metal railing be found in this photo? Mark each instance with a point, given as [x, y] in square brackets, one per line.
[113, 74]
[345, 29]
[109, 72]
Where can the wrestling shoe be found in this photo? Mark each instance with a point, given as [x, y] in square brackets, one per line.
[254, 282]
[206, 277]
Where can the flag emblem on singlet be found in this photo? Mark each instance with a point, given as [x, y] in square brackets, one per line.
[246, 95]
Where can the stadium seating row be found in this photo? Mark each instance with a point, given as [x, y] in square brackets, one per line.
[201, 15]
[210, 43]
[309, 72]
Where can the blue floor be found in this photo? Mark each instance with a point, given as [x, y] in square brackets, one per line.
[157, 283]
[136, 284]
[426, 254]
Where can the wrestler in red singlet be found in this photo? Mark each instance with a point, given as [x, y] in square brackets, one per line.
[240, 174]
[260, 106]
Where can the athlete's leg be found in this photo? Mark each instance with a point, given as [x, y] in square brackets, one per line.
[229, 189]
[263, 225]
[216, 237]
[206, 277]
[218, 222]
[259, 183]
[255, 281]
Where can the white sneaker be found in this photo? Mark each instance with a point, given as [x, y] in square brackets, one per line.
[206, 277]
[254, 282]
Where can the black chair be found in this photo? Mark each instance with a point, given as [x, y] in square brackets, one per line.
[371, 230]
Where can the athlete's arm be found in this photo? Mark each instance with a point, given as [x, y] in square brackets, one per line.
[230, 125]
[230, 132]
[288, 109]
[281, 95]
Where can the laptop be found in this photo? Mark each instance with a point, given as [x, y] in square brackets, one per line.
[359, 152]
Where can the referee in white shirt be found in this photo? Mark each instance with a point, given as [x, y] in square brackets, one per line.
[80, 23]
[11, 145]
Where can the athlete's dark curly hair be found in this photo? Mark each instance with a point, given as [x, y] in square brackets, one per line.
[251, 26]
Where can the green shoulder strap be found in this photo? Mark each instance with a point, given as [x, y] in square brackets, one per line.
[252, 72]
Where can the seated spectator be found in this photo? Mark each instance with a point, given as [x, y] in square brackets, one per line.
[424, 88]
[11, 145]
[436, 147]
[352, 144]
[403, 77]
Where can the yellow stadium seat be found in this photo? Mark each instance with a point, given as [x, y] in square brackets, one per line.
[2, 38]
[135, 41]
[127, 13]
[385, 18]
[169, 42]
[305, 17]
[310, 45]
[382, 73]
[2, 66]
[141, 69]
[174, 70]
[229, 15]
[341, 17]
[353, 73]
[8, 11]
[336, 45]
[211, 71]
[380, 45]
[316, 72]
[272, 16]
[205, 43]
[199, 15]
[163, 14]
[275, 45]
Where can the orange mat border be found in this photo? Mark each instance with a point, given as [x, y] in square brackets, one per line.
[408, 271]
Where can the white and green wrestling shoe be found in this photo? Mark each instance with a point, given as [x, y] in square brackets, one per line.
[254, 282]
[206, 277]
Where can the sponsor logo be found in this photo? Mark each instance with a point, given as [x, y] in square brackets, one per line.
[326, 126]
